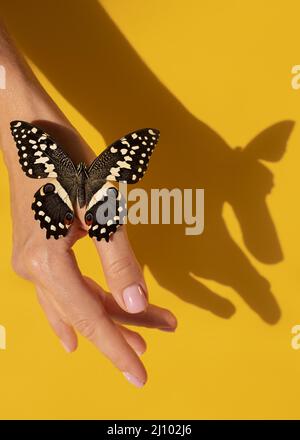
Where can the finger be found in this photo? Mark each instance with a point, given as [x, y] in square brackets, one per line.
[153, 317]
[65, 332]
[87, 315]
[133, 339]
[123, 273]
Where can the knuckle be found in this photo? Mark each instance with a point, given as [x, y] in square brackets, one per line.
[33, 260]
[119, 267]
[25, 259]
[87, 327]
[19, 267]
[36, 263]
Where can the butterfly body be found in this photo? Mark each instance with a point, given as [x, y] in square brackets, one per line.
[82, 176]
[126, 160]
[79, 189]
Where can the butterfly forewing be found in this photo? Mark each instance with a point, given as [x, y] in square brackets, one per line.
[126, 159]
[39, 155]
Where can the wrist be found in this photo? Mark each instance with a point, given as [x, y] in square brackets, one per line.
[25, 99]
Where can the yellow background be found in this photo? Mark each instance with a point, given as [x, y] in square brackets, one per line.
[211, 75]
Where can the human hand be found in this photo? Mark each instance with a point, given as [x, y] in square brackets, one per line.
[71, 301]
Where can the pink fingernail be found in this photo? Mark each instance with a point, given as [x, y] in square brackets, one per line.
[134, 380]
[68, 350]
[135, 299]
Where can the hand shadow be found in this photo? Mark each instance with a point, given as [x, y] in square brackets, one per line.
[90, 62]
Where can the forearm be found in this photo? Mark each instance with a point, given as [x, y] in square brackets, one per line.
[25, 99]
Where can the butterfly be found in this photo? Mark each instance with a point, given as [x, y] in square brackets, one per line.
[40, 156]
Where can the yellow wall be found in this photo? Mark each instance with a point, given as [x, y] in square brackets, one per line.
[211, 75]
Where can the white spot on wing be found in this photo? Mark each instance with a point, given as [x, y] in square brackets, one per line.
[63, 195]
[49, 167]
[42, 160]
[114, 171]
[123, 164]
[125, 142]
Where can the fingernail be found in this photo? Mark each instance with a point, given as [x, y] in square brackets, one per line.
[135, 299]
[171, 323]
[139, 352]
[68, 349]
[134, 380]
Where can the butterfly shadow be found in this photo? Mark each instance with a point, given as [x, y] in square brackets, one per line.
[100, 74]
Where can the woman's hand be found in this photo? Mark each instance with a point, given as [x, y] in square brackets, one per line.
[71, 301]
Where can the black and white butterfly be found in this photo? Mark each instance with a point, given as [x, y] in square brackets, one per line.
[40, 156]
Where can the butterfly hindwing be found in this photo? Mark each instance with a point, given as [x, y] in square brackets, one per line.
[126, 159]
[53, 209]
[106, 212]
[39, 155]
